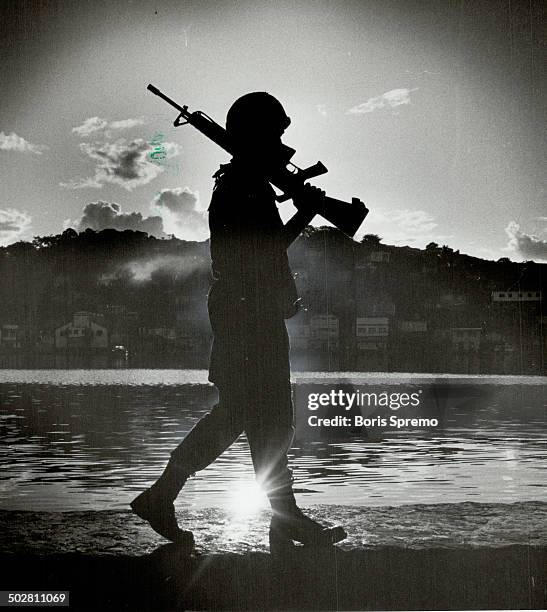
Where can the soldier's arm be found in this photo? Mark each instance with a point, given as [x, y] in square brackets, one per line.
[295, 226]
[306, 204]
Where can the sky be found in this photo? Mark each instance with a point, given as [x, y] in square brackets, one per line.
[431, 112]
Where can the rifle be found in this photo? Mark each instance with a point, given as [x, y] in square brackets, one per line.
[346, 216]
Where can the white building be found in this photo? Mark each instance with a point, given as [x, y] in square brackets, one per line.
[372, 333]
[372, 326]
[516, 296]
[10, 335]
[82, 331]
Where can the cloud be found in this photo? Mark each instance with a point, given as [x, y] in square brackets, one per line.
[417, 221]
[525, 245]
[108, 215]
[14, 224]
[125, 124]
[13, 142]
[179, 209]
[174, 211]
[403, 227]
[96, 124]
[90, 125]
[121, 163]
[392, 98]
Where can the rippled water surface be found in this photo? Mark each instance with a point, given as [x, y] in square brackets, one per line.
[81, 439]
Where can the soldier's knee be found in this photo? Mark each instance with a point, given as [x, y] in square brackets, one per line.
[226, 417]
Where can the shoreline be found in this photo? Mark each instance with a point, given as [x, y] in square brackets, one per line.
[171, 376]
[326, 579]
[464, 525]
[423, 557]
[444, 557]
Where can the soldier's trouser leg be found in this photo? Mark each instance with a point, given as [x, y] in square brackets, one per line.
[270, 432]
[211, 435]
[207, 440]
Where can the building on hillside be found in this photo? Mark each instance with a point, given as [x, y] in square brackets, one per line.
[45, 339]
[84, 331]
[516, 309]
[372, 328]
[516, 296]
[413, 327]
[466, 338]
[366, 260]
[122, 324]
[464, 350]
[372, 343]
[324, 331]
[168, 333]
[11, 336]
[517, 315]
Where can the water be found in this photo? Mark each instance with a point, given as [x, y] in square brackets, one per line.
[91, 439]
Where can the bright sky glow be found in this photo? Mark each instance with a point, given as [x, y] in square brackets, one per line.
[428, 111]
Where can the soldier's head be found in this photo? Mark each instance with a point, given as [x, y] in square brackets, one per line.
[255, 124]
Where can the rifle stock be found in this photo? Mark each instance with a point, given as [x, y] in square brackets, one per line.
[346, 216]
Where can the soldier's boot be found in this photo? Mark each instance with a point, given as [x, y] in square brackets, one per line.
[155, 505]
[289, 524]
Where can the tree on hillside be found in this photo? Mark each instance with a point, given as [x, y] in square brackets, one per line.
[371, 239]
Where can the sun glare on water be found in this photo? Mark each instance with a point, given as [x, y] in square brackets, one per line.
[247, 499]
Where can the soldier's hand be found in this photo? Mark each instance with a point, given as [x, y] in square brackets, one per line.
[309, 198]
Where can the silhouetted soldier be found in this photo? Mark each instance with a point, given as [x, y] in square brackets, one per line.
[252, 294]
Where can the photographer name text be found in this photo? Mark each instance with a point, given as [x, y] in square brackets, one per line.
[336, 398]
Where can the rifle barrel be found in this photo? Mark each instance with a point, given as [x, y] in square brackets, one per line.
[156, 91]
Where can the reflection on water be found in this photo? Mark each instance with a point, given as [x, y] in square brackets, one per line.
[68, 446]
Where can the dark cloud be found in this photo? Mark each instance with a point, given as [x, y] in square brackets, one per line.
[527, 246]
[121, 163]
[179, 209]
[103, 215]
[13, 225]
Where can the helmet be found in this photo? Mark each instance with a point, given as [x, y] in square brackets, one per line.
[253, 111]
